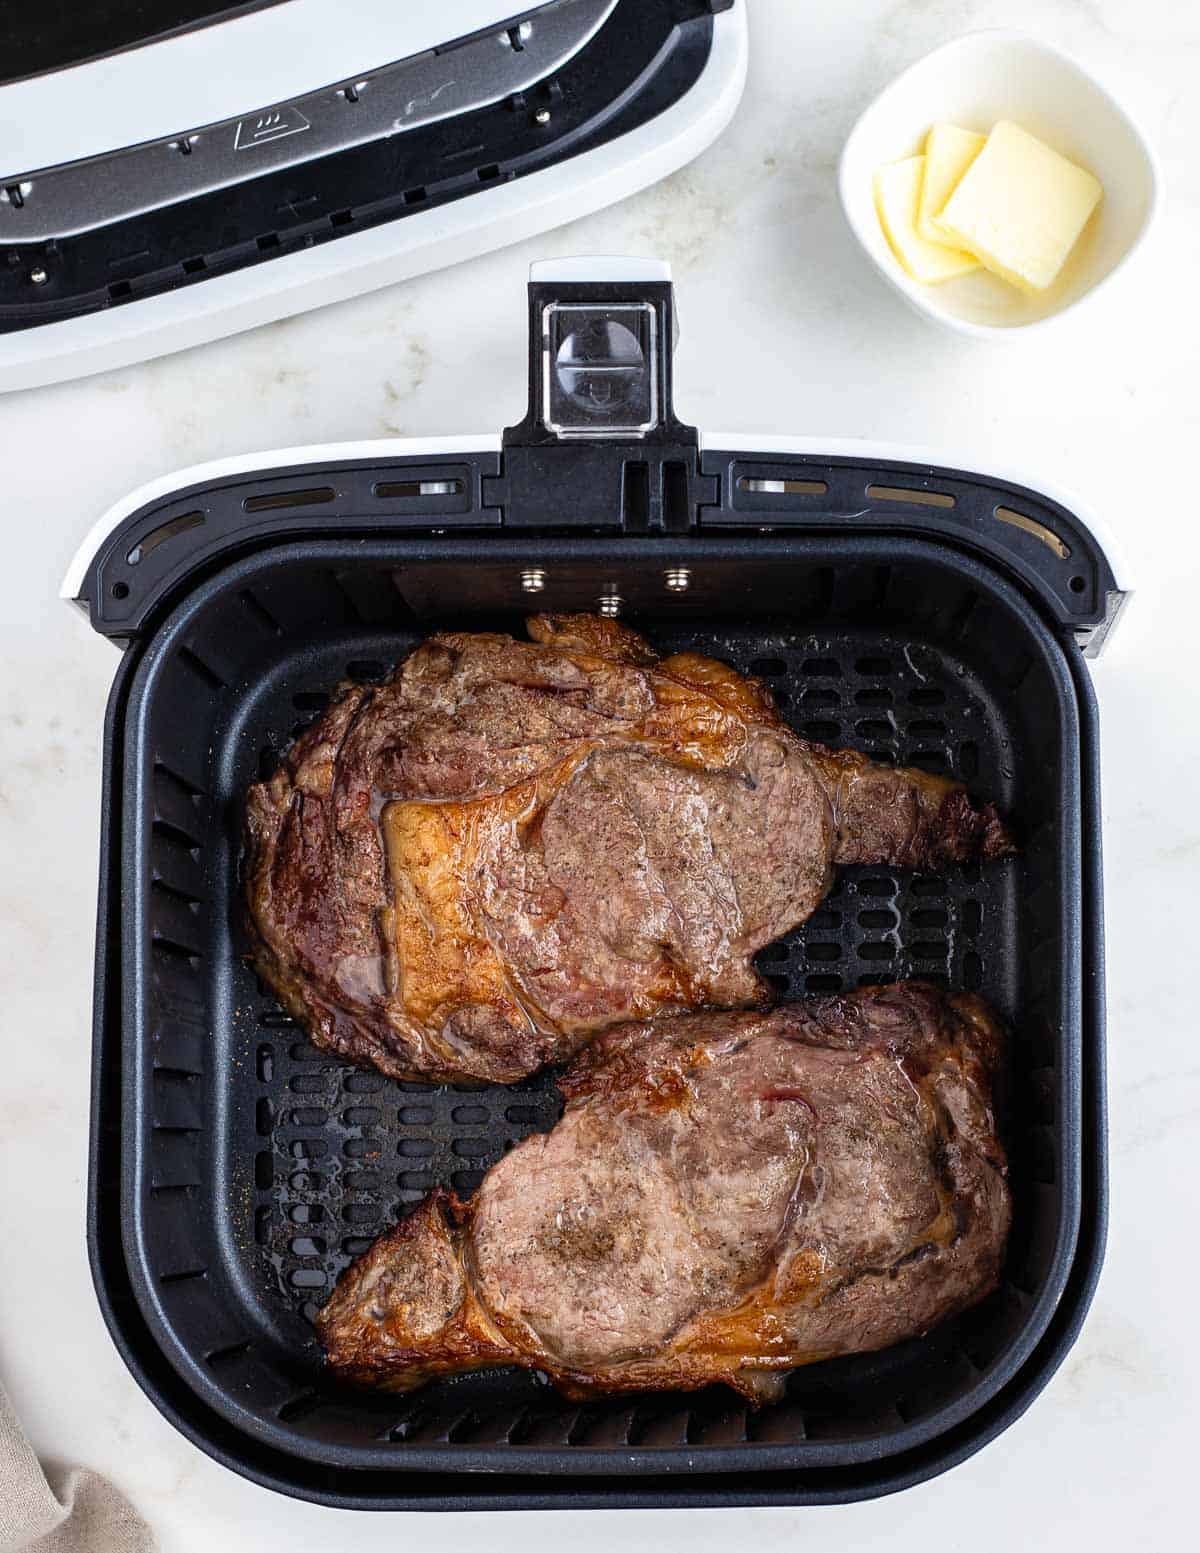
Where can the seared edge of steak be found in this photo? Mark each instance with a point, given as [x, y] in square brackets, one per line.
[744, 1298]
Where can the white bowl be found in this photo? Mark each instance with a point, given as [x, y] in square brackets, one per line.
[972, 82]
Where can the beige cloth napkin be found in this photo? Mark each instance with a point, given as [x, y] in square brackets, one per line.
[75, 1512]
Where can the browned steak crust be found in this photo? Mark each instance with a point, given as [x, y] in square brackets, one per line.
[727, 1196]
[468, 870]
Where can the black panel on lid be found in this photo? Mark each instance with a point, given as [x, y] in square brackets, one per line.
[39, 38]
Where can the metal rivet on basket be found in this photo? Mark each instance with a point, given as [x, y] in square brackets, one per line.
[609, 604]
[38, 276]
[533, 580]
[678, 579]
[542, 116]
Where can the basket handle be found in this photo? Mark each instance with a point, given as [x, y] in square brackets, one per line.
[600, 421]
[600, 450]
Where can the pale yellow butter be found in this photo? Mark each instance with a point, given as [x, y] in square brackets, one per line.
[1020, 207]
[949, 151]
[897, 195]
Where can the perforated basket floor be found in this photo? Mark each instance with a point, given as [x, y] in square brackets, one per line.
[257, 1167]
[342, 1152]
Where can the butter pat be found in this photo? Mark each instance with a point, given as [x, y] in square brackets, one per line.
[897, 197]
[949, 151]
[1020, 208]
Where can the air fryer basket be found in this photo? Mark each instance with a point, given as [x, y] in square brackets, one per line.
[237, 1170]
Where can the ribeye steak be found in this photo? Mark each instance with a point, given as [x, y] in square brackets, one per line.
[726, 1196]
[466, 871]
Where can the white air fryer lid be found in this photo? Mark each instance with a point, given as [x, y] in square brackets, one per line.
[295, 154]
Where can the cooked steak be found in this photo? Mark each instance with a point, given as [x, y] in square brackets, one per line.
[468, 870]
[727, 1196]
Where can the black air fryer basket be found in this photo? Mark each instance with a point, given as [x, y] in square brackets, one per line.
[924, 615]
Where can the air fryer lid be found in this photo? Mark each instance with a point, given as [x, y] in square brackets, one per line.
[305, 151]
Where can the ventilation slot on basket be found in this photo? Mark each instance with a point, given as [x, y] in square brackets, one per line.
[471, 1148]
[172, 778]
[1039, 531]
[198, 667]
[187, 1275]
[151, 541]
[258, 611]
[220, 1356]
[912, 494]
[176, 831]
[778, 1425]
[724, 1427]
[655, 1428]
[178, 897]
[307, 1278]
[173, 951]
[176, 1075]
[594, 1426]
[366, 671]
[781, 487]
[315, 496]
[405, 490]
[299, 1407]
[403, 1428]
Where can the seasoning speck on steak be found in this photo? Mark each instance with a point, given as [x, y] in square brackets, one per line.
[467, 871]
[727, 1196]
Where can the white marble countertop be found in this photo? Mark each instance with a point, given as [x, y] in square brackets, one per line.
[786, 328]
